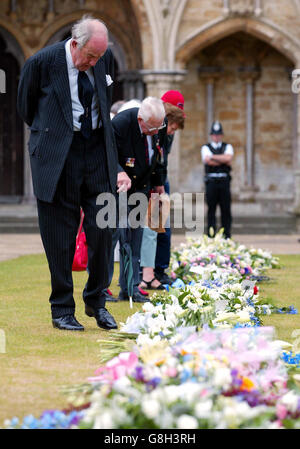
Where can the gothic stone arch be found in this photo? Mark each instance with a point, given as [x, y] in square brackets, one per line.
[207, 35]
[12, 158]
[276, 39]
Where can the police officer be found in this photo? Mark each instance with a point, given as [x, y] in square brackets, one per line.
[217, 157]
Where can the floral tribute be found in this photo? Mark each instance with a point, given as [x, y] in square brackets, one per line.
[196, 357]
[227, 254]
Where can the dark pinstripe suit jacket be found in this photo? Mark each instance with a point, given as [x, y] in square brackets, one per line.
[44, 103]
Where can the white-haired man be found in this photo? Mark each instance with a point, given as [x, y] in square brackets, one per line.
[136, 132]
[65, 98]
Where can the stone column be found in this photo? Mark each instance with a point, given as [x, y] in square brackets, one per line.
[295, 129]
[209, 104]
[157, 83]
[226, 7]
[295, 92]
[296, 208]
[133, 84]
[209, 76]
[258, 8]
[50, 13]
[13, 9]
[249, 76]
[250, 130]
[13, 5]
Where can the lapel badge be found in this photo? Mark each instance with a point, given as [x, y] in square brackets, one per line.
[130, 161]
[160, 151]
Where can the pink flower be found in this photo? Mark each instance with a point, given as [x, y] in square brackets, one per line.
[173, 275]
[171, 372]
[281, 411]
[116, 368]
[204, 393]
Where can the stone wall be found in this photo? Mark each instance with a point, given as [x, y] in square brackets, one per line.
[167, 38]
[273, 117]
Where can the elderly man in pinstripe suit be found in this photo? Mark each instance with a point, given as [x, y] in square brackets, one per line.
[65, 98]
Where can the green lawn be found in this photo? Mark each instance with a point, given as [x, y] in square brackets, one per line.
[40, 360]
[284, 290]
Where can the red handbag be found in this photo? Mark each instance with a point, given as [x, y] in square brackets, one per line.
[81, 251]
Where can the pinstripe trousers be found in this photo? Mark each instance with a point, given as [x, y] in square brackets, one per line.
[84, 177]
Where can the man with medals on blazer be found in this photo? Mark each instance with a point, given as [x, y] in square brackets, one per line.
[136, 137]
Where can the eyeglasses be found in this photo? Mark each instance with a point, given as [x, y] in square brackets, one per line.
[154, 129]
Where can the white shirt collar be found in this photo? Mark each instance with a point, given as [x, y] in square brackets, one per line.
[216, 144]
[69, 58]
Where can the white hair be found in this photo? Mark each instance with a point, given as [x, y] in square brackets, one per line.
[152, 107]
[83, 30]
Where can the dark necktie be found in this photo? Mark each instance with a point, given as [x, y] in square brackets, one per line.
[85, 94]
[146, 149]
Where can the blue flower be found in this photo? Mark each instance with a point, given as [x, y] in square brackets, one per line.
[250, 302]
[151, 384]
[291, 359]
[14, 422]
[178, 283]
[185, 375]
[30, 422]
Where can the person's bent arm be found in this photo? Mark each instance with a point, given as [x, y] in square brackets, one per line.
[208, 161]
[28, 90]
[222, 159]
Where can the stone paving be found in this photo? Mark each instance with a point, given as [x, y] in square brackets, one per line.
[15, 245]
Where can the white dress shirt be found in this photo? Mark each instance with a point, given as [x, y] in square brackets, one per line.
[205, 151]
[150, 149]
[77, 108]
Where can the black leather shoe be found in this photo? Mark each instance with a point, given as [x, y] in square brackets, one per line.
[67, 323]
[136, 297]
[103, 317]
[164, 278]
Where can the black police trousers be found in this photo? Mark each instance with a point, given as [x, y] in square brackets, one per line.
[218, 193]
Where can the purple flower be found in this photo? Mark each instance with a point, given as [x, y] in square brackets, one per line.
[138, 375]
[151, 384]
[252, 397]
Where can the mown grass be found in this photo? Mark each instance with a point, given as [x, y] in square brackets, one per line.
[283, 289]
[40, 360]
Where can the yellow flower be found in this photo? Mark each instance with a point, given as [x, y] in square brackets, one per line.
[156, 353]
[247, 384]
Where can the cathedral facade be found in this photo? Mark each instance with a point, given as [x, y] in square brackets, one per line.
[234, 61]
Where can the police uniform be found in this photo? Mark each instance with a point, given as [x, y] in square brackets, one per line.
[217, 183]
